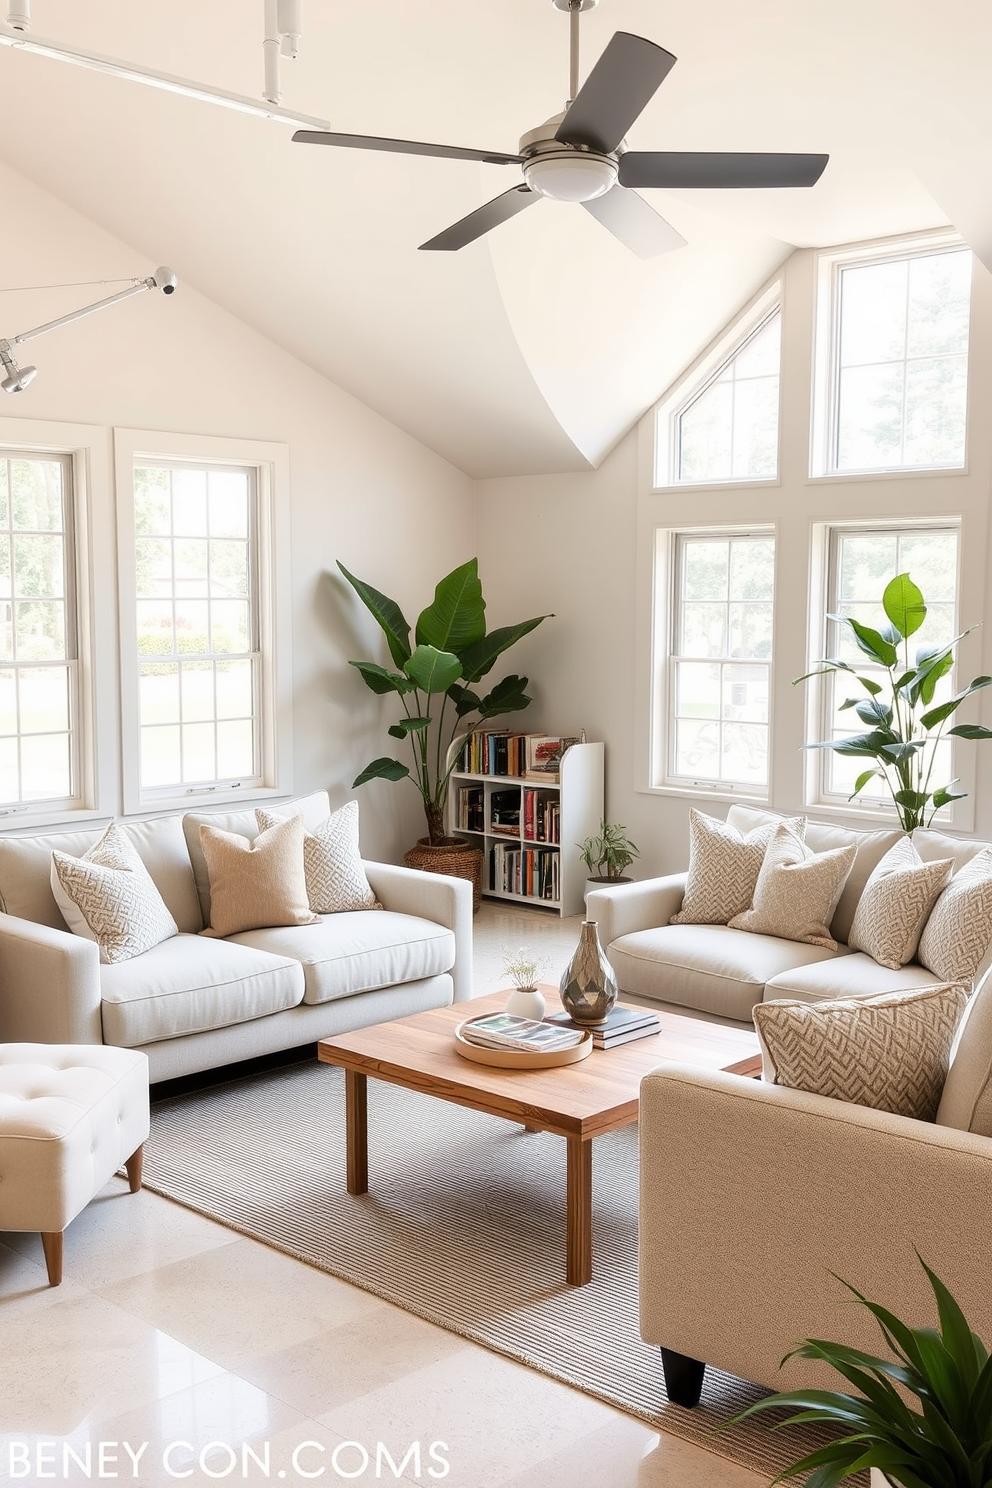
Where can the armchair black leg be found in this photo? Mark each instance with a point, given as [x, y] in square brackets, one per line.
[683, 1378]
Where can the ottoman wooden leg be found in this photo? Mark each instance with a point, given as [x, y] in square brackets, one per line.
[133, 1166]
[53, 1256]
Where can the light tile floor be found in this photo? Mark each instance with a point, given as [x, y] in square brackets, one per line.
[170, 1329]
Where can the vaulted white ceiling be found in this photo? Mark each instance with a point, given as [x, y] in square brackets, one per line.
[537, 347]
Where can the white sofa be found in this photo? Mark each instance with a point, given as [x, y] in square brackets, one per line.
[721, 972]
[194, 1003]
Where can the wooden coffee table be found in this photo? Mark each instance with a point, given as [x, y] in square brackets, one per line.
[577, 1102]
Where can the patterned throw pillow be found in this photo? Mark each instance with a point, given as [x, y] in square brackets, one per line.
[894, 904]
[957, 934]
[332, 862]
[797, 891]
[724, 867]
[110, 897]
[256, 884]
[889, 1052]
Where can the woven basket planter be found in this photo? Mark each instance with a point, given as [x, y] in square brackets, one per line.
[460, 858]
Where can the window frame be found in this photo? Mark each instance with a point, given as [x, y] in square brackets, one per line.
[270, 464]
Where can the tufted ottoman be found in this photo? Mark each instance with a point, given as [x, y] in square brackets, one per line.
[71, 1115]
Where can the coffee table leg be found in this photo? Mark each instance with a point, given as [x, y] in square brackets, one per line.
[356, 1111]
[578, 1185]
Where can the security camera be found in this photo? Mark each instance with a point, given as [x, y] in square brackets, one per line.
[19, 379]
[165, 280]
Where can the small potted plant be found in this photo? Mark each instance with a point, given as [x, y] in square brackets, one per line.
[522, 968]
[949, 1371]
[608, 854]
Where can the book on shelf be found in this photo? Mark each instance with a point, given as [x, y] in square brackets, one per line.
[470, 810]
[506, 1031]
[530, 872]
[544, 752]
[500, 752]
[504, 811]
[623, 1025]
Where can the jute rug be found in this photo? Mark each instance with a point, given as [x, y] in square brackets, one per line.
[464, 1225]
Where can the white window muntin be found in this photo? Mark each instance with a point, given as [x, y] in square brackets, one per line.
[736, 383]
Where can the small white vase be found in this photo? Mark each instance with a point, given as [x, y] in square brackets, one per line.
[526, 1002]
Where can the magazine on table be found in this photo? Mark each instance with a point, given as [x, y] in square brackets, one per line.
[506, 1031]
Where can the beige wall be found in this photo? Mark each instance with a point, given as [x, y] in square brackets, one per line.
[362, 491]
[581, 545]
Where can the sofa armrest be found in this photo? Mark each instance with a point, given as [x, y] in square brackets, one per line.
[635, 906]
[755, 1198]
[432, 896]
[49, 985]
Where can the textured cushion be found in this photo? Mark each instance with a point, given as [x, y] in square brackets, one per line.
[258, 883]
[895, 904]
[797, 891]
[856, 975]
[890, 1052]
[313, 809]
[357, 952]
[708, 967]
[332, 862]
[957, 934]
[723, 868]
[109, 896]
[189, 984]
[967, 1099]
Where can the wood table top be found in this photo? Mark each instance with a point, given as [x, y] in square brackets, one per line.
[598, 1094]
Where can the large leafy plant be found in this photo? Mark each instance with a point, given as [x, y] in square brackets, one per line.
[904, 724]
[945, 1444]
[436, 677]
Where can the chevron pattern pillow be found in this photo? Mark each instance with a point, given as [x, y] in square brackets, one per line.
[724, 867]
[889, 1052]
[957, 934]
[332, 862]
[110, 897]
[895, 903]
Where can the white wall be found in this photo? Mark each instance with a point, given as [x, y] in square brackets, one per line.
[582, 546]
[362, 490]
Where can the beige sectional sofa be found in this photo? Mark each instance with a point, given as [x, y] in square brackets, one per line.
[721, 972]
[192, 1002]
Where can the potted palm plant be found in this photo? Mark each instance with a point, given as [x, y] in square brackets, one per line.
[437, 669]
[945, 1444]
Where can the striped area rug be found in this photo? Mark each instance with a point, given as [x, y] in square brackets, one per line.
[464, 1225]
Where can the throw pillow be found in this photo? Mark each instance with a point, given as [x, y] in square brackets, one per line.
[894, 905]
[110, 897]
[889, 1052]
[332, 862]
[723, 868]
[256, 884]
[797, 891]
[957, 934]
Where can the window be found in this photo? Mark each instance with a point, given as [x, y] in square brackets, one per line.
[900, 363]
[197, 627]
[861, 562]
[39, 703]
[721, 657]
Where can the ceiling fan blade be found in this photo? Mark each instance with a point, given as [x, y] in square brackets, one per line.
[401, 147]
[622, 83]
[635, 222]
[679, 169]
[483, 219]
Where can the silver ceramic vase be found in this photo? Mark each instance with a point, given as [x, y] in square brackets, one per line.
[588, 986]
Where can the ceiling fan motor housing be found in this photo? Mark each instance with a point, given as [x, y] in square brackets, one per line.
[564, 172]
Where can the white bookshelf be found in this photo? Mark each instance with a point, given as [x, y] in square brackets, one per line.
[578, 797]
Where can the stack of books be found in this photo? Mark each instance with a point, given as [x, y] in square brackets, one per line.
[506, 1031]
[622, 1026]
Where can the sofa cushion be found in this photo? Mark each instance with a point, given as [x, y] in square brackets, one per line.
[357, 952]
[332, 862]
[855, 975]
[189, 984]
[890, 1053]
[724, 864]
[253, 884]
[797, 891]
[896, 901]
[967, 1099]
[312, 809]
[956, 936]
[109, 897]
[709, 967]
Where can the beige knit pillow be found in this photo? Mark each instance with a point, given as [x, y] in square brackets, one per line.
[110, 897]
[957, 934]
[894, 904]
[889, 1052]
[723, 868]
[332, 862]
[797, 891]
[256, 884]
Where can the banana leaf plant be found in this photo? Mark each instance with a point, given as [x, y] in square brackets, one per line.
[436, 677]
[904, 724]
[945, 1444]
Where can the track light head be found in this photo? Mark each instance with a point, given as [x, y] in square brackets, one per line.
[18, 378]
[165, 279]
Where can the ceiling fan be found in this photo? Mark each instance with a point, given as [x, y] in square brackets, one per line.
[580, 154]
